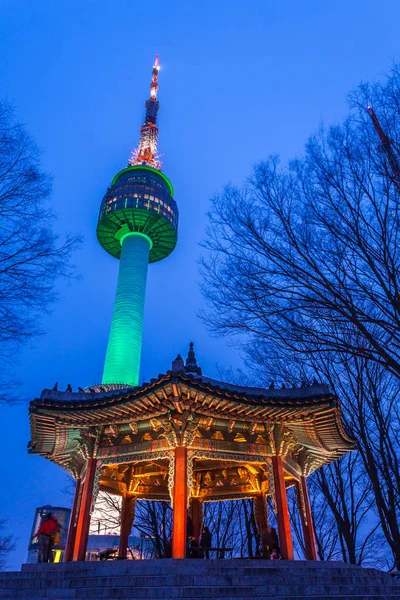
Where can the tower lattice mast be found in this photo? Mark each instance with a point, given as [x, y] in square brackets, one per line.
[146, 152]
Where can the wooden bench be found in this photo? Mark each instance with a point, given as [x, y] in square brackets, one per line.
[109, 554]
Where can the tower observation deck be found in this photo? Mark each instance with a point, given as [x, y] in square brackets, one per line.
[138, 224]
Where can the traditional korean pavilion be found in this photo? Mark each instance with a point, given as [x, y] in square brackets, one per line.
[188, 439]
[183, 437]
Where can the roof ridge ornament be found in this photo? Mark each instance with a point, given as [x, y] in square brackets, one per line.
[191, 362]
[178, 366]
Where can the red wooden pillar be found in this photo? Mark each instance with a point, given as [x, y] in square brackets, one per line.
[306, 519]
[285, 536]
[180, 495]
[82, 527]
[197, 516]
[69, 548]
[126, 524]
[261, 512]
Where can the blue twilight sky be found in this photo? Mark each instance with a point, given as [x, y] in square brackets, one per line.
[239, 80]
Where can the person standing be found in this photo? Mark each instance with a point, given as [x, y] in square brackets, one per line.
[275, 543]
[194, 549]
[205, 541]
[189, 527]
[55, 538]
[45, 535]
[269, 542]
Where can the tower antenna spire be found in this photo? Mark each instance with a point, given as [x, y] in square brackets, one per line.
[146, 152]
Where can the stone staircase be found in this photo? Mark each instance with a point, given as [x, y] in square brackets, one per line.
[190, 579]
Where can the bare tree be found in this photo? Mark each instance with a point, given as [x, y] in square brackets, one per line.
[251, 536]
[32, 258]
[325, 526]
[347, 492]
[154, 520]
[309, 256]
[371, 406]
[106, 517]
[304, 263]
[222, 520]
[7, 545]
[232, 524]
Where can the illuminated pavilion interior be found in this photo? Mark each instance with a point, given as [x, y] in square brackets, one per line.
[188, 439]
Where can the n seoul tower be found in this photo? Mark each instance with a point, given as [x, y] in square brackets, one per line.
[138, 224]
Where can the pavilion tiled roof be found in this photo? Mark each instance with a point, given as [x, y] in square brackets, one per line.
[312, 413]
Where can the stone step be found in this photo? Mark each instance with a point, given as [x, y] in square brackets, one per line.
[134, 596]
[174, 581]
[204, 592]
[124, 568]
[205, 580]
[235, 563]
[190, 580]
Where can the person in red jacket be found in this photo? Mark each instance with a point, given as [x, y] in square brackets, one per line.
[45, 535]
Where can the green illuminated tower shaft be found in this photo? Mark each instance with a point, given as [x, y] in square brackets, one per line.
[125, 340]
[138, 224]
